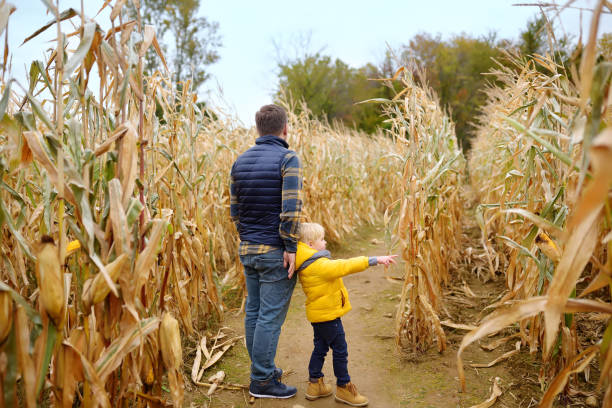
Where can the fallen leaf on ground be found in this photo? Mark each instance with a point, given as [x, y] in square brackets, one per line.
[496, 343]
[496, 392]
[459, 326]
[500, 358]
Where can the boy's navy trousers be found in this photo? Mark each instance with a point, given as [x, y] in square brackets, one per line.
[329, 335]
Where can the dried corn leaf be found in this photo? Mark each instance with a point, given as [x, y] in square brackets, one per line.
[539, 221]
[149, 34]
[118, 218]
[216, 356]
[69, 368]
[459, 326]
[468, 292]
[495, 393]
[498, 321]
[89, 29]
[114, 354]
[215, 379]
[601, 280]
[117, 8]
[496, 343]
[574, 366]
[435, 322]
[596, 192]
[34, 142]
[204, 348]
[177, 387]
[26, 364]
[196, 364]
[587, 305]
[576, 254]
[64, 15]
[106, 145]
[128, 160]
[503, 357]
[147, 258]
[94, 381]
[588, 60]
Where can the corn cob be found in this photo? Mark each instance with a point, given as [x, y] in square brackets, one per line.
[72, 247]
[6, 315]
[548, 246]
[170, 342]
[146, 373]
[50, 280]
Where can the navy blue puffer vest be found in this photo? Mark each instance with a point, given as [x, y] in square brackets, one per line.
[258, 181]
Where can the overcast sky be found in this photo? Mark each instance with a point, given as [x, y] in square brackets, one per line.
[356, 31]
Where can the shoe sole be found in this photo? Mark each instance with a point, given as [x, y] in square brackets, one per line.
[314, 397]
[270, 396]
[363, 404]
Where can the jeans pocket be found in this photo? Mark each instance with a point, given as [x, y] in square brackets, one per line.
[271, 270]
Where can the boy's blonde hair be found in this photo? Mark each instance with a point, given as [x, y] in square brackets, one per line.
[310, 231]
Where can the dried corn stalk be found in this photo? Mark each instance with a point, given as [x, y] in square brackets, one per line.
[430, 209]
[541, 167]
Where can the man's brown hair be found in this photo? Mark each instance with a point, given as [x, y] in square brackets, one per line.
[270, 120]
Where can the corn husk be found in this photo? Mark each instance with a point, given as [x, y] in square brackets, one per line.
[50, 281]
[172, 354]
[96, 289]
[170, 342]
[6, 315]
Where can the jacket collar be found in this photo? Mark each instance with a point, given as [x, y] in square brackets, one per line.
[307, 255]
[271, 139]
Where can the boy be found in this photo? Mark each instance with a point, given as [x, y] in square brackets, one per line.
[327, 301]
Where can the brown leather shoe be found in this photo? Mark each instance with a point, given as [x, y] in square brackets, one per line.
[349, 395]
[318, 390]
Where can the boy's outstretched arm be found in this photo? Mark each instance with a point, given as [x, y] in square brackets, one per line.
[337, 268]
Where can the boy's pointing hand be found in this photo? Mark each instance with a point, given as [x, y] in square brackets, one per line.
[386, 260]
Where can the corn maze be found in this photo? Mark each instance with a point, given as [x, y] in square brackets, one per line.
[116, 240]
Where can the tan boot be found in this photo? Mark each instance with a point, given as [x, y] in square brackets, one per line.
[318, 390]
[349, 395]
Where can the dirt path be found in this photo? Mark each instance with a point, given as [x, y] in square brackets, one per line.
[386, 376]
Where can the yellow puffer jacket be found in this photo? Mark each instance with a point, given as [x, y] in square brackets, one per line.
[326, 295]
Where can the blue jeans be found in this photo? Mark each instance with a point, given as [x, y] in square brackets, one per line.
[269, 293]
[329, 335]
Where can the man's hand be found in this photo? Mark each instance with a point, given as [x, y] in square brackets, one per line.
[386, 260]
[289, 262]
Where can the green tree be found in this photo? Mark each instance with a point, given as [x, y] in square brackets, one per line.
[454, 69]
[320, 82]
[604, 46]
[194, 39]
[533, 40]
[367, 85]
[332, 89]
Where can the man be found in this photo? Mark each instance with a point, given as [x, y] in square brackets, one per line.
[266, 189]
